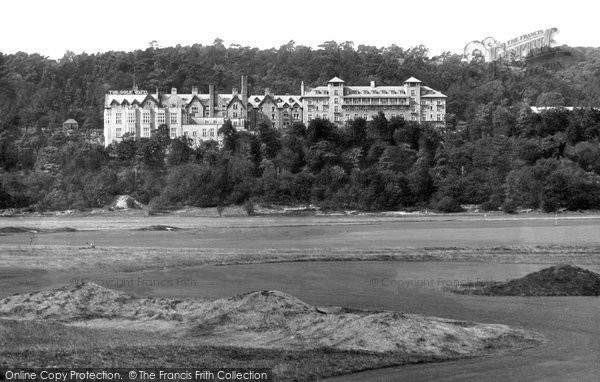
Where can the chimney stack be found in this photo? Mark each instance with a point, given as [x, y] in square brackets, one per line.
[372, 84]
[302, 89]
[234, 91]
[245, 95]
[267, 91]
[194, 90]
[173, 90]
[212, 97]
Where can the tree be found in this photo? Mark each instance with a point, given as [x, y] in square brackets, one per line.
[230, 136]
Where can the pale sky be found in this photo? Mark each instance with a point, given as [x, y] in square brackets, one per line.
[51, 27]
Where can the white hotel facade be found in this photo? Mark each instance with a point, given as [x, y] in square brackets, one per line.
[199, 116]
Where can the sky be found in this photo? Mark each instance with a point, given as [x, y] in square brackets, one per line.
[51, 28]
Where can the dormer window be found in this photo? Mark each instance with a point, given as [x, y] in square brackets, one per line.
[256, 99]
[279, 100]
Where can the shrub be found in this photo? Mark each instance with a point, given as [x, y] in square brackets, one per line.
[447, 204]
[249, 207]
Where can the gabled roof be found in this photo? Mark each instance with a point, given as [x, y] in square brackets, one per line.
[336, 79]
[194, 97]
[270, 97]
[236, 98]
[70, 120]
[150, 98]
[412, 79]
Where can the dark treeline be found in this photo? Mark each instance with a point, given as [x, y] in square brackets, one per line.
[494, 152]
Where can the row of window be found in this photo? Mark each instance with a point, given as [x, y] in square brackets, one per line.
[366, 116]
[206, 132]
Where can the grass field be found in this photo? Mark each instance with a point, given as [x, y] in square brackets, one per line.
[342, 261]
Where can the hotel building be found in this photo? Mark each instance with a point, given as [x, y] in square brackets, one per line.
[339, 103]
[199, 116]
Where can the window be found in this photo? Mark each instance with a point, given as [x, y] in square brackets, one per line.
[336, 92]
[204, 132]
[161, 118]
[439, 117]
[146, 132]
[235, 115]
[107, 118]
[431, 117]
[273, 116]
[336, 109]
[296, 116]
[118, 119]
[412, 92]
[185, 133]
[272, 109]
[365, 116]
[310, 117]
[194, 109]
[347, 117]
[336, 118]
[194, 133]
[336, 100]
[118, 132]
[173, 117]
[131, 117]
[212, 132]
[235, 106]
[146, 117]
[325, 116]
[173, 132]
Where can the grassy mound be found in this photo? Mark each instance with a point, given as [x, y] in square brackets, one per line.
[264, 319]
[160, 227]
[559, 280]
[11, 229]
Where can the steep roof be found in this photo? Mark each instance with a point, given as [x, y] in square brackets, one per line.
[335, 79]
[412, 79]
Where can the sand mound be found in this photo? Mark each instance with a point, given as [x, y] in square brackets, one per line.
[559, 280]
[265, 319]
[9, 230]
[160, 227]
[86, 301]
[123, 202]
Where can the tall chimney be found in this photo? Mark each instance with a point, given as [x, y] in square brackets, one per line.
[194, 90]
[211, 100]
[234, 91]
[372, 84]
[173, 90]
[302, 89]
[267, 91]
[245, 95]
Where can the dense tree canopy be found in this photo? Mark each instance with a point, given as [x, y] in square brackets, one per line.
[494, 151]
